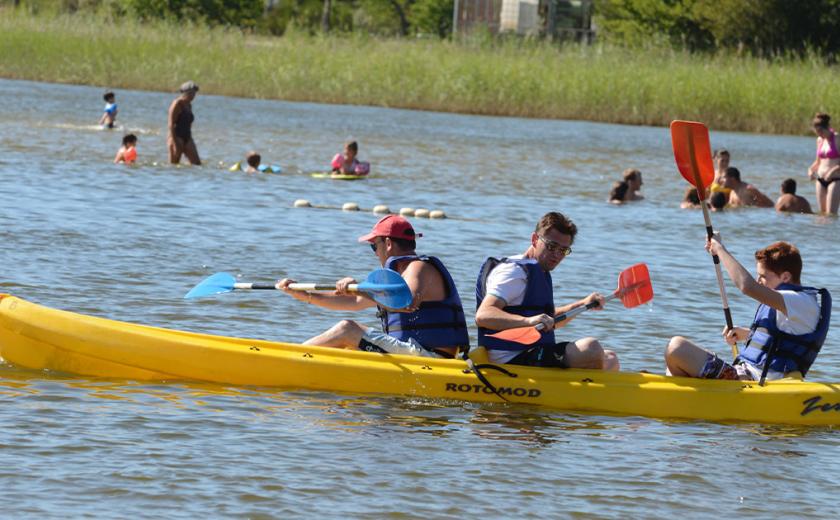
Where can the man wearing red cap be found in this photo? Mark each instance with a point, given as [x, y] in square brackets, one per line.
[433, 325]
[517, 292]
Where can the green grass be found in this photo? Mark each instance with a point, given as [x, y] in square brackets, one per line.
[513, 77]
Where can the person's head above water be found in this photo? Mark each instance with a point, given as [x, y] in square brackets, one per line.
[129, 139]
[619, 191]
[351, 149]
[109, 97]
[789, 186]
[253, 159]
[718, 200]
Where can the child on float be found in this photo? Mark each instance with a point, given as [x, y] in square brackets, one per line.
[127, 153]
[110, 115]
[347, 163]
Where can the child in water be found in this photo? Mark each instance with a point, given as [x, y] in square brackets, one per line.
[128, 151]
[347, 164]
[110, 116]
[253, 159]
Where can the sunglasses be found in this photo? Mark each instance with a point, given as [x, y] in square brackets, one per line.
[554, 247]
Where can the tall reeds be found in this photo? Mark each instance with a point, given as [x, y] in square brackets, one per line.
[480, 75]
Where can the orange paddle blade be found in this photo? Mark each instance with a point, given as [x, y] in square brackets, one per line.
[634, 287]
[693, 154]
[524, 335]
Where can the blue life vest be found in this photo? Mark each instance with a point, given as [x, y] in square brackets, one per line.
[539, 299]
[789, 352]
[434, 324]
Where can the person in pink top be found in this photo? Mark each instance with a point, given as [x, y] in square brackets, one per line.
[347, 164]
[826, 167]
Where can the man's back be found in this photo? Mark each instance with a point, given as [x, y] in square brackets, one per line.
[793, 204]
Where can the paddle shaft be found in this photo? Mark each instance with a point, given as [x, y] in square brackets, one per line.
[577, 310]
[295, 286]
[701, 193]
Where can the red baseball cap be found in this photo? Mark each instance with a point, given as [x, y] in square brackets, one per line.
[391, 226]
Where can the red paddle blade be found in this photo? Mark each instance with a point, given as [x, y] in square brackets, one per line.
[523, 335]
[634, 287]
[693, 154]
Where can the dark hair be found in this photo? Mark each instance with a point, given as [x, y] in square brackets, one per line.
[780, 257]
[821, 119]
[630, 174]
[253, 159]
[718, 200]
[691, 196]
[129, 138]
[733, 172]
[353, 145]
[404, 243]
[556, 221]
[789, 186]
[619, 190]
[108, 96]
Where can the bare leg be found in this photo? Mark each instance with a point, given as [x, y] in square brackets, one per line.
[192, 153]
[176, 148]
[684, 358]
[344, 334]
[822, 202]
[833, 197]
[587, 353]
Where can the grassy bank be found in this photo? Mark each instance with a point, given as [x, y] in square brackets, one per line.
[528, 79]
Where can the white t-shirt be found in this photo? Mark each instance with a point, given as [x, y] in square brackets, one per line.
[803, 313]
[508, 281]
[803, 316]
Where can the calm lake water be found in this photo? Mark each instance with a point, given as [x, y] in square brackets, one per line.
[83, 234]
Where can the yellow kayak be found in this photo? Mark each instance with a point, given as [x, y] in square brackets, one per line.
[38, 337]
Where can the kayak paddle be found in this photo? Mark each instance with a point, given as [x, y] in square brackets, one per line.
[384, 286]
[634, 288]
[693, 156]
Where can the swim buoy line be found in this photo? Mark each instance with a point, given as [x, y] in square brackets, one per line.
[383, 209]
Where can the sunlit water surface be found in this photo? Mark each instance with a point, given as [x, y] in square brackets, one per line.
[82, 234]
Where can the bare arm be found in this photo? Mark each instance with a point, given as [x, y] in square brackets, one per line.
[334, 301]
[491, 316]
[744, 281]
[174, 112]
[759, 199]
[594, 297]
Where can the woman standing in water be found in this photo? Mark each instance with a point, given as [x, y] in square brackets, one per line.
[826, 167]
[181, 117]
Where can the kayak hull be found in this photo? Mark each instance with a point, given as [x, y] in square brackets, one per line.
[37, 337]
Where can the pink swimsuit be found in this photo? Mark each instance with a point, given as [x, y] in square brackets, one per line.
[356, 167]
[827, 148]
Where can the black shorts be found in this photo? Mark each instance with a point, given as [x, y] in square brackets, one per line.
[543, 356]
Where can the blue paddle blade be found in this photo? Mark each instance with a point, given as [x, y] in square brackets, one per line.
[388, 288]
[269, 168]
[214, 284]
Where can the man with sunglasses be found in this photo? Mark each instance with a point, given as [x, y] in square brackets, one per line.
[433, 325]
[517, 291]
